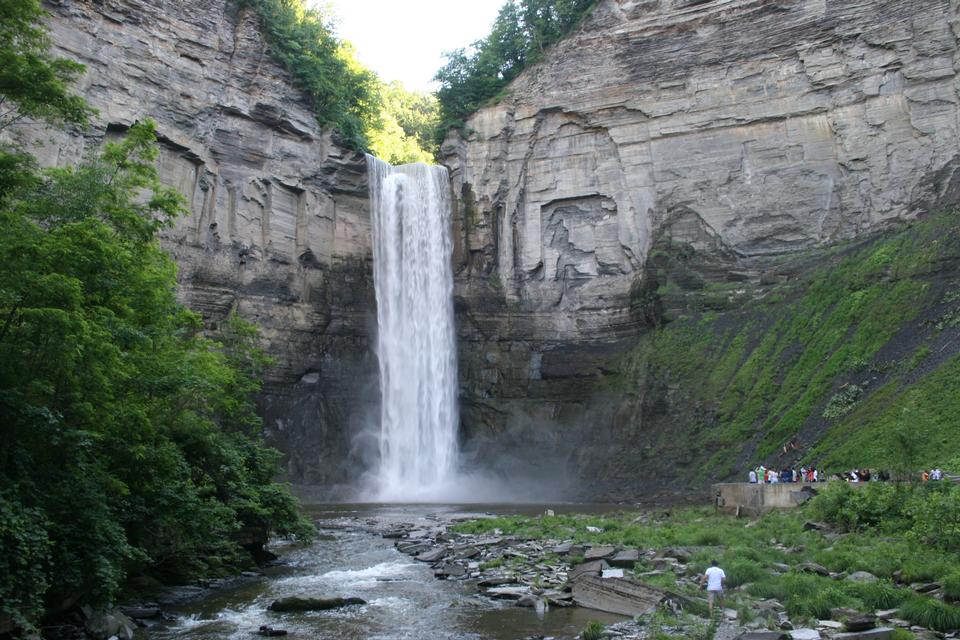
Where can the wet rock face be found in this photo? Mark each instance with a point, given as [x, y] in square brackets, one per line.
[278, 229]
[743, 129]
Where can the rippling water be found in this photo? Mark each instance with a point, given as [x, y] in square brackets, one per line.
[404, 600]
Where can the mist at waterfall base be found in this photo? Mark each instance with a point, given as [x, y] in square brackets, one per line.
[412, 454]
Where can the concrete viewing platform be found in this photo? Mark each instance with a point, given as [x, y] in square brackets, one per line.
[752, 499]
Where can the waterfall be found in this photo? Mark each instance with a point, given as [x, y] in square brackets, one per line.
[416, 345]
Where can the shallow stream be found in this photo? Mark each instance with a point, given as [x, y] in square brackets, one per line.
[404, 600]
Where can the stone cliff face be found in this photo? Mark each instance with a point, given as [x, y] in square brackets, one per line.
[278, 229]
[733, 131]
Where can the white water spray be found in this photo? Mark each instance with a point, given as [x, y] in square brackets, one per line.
[416, 347]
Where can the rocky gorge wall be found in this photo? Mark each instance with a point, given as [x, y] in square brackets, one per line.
[278, 230]
[733, 132]
[720, 134]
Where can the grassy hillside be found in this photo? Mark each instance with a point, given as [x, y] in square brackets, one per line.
[854, 357]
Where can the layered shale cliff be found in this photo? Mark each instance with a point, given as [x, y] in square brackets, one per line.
[717, 136]
[278, 230]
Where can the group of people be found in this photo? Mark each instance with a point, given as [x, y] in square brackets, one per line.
[933, 474]
[788, 474]
[811, 474]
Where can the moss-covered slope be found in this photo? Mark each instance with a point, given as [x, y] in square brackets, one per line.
[845, 357]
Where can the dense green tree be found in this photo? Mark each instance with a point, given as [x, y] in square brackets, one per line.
[33, 84]
[130, 443]
[409, 120]
[520, 36]
[130, 440]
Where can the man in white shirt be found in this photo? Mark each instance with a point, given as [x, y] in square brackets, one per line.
[714, 578]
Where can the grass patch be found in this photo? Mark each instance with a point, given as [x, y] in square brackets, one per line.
[931, 614]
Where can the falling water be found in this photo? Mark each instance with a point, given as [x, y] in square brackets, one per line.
[410, 211]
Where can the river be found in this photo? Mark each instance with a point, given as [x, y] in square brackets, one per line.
[404, 600]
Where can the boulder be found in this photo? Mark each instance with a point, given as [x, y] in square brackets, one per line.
[270, 632]
[288, 605]
[862, 622]
[101, 625]
[862, 576]
[804, 634]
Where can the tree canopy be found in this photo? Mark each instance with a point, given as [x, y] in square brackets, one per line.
[520, 36]
[130, 441]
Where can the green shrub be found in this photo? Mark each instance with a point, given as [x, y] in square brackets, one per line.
[877, 595]
[593, 631]
[742, 571]
[931, 613]
[902, 634]
[951, 585]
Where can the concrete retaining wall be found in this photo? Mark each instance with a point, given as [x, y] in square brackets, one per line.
[741, 498]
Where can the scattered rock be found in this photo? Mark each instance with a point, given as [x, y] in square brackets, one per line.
[141, 612]
[813, 567]
[862, 576]
[882, 633]
[927, 588]
[829, 624]
[587, 569]
[433, 555]
[805, 634]
[861, 622]
[764, 635]
[887, 614]
[102, 625]
[625, 559]
[287, 605]
[271, 632]
[596, 553]
[814, 526]
[508, 593]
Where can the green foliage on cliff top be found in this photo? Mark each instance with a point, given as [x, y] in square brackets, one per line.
[344, 93]
[520, 35]
[386, 119]
[840, 361]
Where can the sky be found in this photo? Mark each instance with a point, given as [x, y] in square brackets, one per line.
[405, 39]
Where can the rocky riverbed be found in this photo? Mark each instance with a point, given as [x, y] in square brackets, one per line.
[433, 572]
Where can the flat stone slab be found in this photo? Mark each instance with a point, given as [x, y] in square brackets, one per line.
[595, 553]
[881, 633]
[804, 634]
[508, 593]
[432, 556]
[625, 559]
[616, 595]
[588, 568]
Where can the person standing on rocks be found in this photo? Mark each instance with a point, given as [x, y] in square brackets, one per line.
[714, 578]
